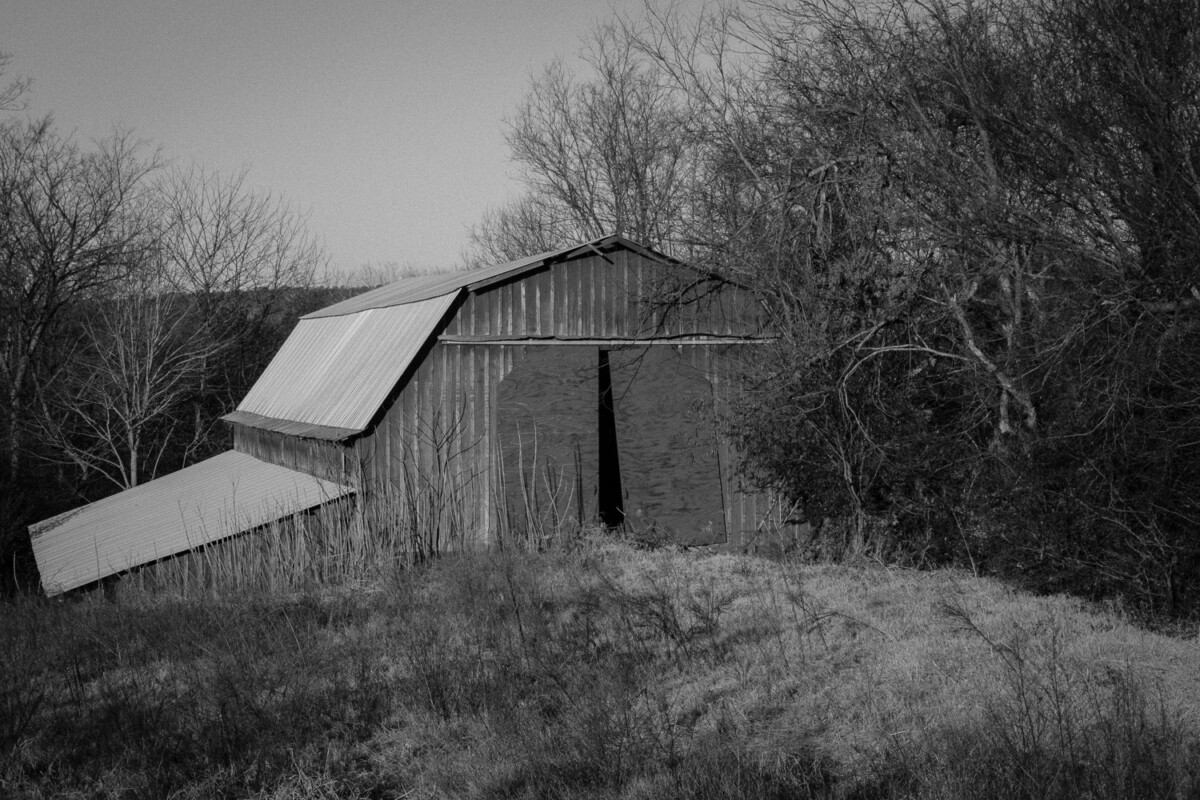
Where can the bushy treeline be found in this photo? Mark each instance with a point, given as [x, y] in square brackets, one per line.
[974, 227]
[138, 302]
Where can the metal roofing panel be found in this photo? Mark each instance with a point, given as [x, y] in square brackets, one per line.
[217, 498]
[336, 372]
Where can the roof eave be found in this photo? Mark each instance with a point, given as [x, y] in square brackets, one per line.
[303, 430]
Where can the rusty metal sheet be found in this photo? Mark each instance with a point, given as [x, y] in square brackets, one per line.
[336, 372]
[217, 498]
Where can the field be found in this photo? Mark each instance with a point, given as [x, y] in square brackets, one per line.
[598, 671]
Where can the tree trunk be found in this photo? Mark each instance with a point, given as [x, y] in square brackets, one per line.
[14, 434]
[133, 459]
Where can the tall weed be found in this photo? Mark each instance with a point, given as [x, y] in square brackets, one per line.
[1057, 728]
[595, 671]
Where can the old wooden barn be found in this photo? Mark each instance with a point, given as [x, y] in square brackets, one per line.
[514, 400]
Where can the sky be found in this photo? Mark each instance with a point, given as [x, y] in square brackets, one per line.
[380, 120]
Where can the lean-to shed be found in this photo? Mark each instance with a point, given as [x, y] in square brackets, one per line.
[197, 506]
[534, 394]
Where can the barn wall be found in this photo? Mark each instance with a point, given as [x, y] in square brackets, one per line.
[443, 436]
[314, 456]
[547, 436]
[435, 440]
[602, 297]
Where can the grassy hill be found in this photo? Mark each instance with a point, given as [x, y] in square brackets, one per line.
[599, 672]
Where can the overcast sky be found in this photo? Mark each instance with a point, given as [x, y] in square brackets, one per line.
[381, 119]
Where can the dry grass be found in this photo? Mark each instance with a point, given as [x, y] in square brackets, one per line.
[598, 671]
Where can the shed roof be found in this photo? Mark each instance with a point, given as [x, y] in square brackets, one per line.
[214, 499]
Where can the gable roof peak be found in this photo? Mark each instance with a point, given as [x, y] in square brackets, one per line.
[427, 287]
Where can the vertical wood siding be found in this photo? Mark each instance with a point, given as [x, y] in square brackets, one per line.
[443, 432]
[601, 297]
[438, 437]
[317, 457]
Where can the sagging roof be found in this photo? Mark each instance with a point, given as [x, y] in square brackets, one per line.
[214, 499]
[340, 363]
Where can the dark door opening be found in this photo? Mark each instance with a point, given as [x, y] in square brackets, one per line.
[609, 497]
[614, 437]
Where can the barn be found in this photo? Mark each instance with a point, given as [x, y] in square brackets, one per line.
[546, 392]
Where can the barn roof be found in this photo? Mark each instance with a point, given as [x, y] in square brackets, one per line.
[214, 499]
[333, 373]
[424, 287]
[338, 366]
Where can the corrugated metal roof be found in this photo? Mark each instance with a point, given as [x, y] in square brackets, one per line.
[424, 287]
[335, 372]
[217, 498]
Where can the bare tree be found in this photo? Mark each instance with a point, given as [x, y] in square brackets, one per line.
[12, 96]
[220, 237]
[523, 227]
[141, 354]
[608, 154]
[974, 225]
[380, 273]
[68, 229]
[236, 253]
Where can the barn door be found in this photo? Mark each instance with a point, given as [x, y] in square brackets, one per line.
[667, 444]
[610, 436]
[546, 424]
